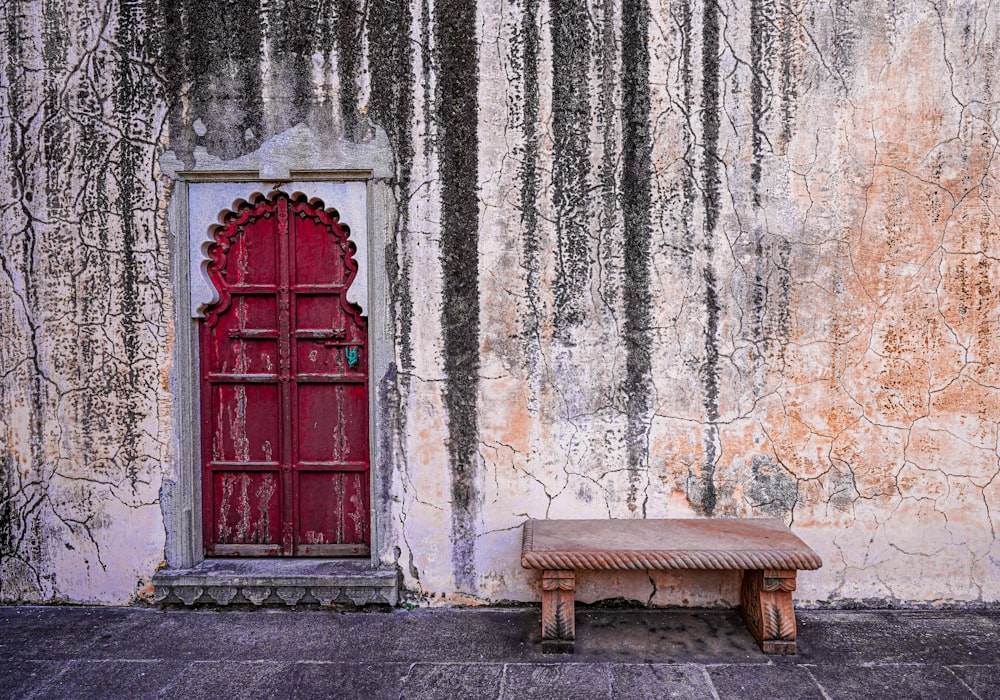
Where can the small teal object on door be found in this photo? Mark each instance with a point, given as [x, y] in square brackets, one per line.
[351, 352]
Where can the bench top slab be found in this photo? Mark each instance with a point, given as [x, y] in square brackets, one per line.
[692, 543]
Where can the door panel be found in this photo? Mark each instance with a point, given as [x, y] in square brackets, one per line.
[334, 512]
[321, 357]
[255, 357]
[321, 413]
[254, 256]
[320, 312]
[318, 256]
[248, 507]
[333, 423]
[245, 428]
[354, 400]
[284, 387]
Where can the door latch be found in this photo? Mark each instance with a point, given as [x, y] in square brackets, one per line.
[351, 353]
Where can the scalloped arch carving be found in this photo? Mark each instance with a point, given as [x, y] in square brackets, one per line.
[243, 212]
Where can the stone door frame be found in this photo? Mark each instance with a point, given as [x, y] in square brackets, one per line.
[181, 492]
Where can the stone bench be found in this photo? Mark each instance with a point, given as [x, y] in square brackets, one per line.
[766, 552]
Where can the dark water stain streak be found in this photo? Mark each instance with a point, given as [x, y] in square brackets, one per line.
[761, 21]
[524, 60]
[683, 18]
[711, 185]
[55, 129]
[212, 59]
[129, 95]
[636, 205]
[609, 258]
[391, 106]
[787, 24]
[349, 54]
[457, 119]
[571, 169]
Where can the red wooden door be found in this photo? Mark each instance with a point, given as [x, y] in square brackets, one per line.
[284, 386]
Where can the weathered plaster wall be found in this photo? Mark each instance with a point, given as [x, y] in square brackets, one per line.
[651, 259]
[84, 346]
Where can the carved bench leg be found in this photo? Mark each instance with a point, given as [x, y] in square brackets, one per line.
[766, 606]
[558, 619]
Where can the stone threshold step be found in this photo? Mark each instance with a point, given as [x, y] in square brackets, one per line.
[277, 582]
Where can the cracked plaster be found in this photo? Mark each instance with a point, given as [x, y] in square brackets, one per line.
[822, 286]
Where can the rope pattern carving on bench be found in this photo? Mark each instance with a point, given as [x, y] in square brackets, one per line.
[639, 560]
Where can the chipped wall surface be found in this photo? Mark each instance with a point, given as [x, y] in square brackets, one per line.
[649, 259]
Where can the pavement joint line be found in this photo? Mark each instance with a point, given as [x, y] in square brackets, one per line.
[892, 664]
[822, 690]
[638, 664]
[964, 684]
[243, 661]
[711, 685]
[162, 693]
[503, 682]
[406, 676]
[741, 664]
[106, 661]
[50, 680]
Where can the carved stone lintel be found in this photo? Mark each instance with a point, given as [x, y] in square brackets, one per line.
[558, 610]
[766, 606]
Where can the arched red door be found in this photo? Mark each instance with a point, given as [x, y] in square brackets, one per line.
[284, 386]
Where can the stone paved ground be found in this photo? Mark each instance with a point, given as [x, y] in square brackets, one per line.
[74, 652]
